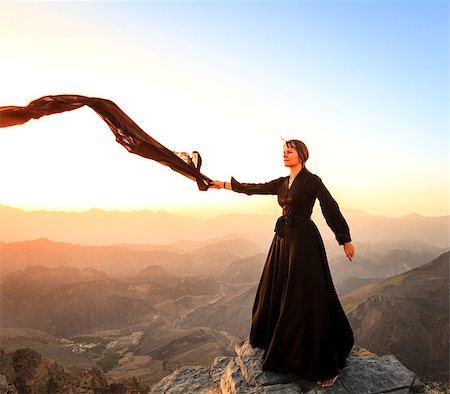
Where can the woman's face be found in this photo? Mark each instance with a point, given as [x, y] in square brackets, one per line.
[290, 156]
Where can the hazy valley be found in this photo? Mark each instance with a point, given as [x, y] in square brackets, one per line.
[143, 309]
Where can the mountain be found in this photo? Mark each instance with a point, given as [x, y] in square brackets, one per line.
[35, 280]
[65, 301]
[231, 313]
[416, 228]
[115, 261]
[177, 347]
[188, 246]
[387, 261]
[239, 247]
[75, 308]
[244, 270]
[112, 260]
[176, 300]
[222, 259]
[157, 274]
[27, 371]
[212, 258]
[119, 261]
[406, 315]
[353, 283]
[97, 227]
[12, 339]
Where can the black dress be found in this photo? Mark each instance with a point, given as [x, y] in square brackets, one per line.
[297, 317]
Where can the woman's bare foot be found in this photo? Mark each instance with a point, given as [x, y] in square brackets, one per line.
[329, 382]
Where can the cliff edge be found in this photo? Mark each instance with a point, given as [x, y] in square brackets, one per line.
[366, 372]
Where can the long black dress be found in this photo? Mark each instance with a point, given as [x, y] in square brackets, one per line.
[297, 317]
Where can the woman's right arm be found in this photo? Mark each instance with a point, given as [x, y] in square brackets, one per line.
[249, 188]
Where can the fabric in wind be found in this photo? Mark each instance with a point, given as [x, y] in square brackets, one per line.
[126, 131]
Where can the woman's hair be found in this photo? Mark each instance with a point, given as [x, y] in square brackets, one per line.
[301, 149]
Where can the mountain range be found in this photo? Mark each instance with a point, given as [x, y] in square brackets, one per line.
[166, 308]
[98, 227]
[211, 258]
[121, 260]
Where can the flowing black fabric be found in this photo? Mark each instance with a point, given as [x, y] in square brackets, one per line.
[297, 317]
[127, 132]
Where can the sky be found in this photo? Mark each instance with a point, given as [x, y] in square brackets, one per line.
[363, 83]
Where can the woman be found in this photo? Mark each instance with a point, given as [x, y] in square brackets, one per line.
[297, 317]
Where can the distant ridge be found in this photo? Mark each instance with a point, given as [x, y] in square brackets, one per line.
[98, 227]
[390, 316]
[115, 260]
[351, 211]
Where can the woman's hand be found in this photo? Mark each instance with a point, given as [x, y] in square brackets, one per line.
[217, 185]
[349, 250]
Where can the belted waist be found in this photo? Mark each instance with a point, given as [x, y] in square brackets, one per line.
[288, 221]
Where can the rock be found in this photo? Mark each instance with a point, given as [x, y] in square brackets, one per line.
[27, 371]
[185, 380]
[250, 362]
[365, 373]
[218, 369]
[376, 374]
[232, 381]
[5, 387]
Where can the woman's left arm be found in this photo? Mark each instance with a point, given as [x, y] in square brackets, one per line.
[334, 218]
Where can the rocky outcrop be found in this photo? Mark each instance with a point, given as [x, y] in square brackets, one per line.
[27, 371]
[5, 387]
[366, 372]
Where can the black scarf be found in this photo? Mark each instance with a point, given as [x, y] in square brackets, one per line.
[127, 133]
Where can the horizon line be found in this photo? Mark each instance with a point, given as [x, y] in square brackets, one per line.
[163, 211]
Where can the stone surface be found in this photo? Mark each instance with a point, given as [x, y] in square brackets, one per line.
[185, 380]
[218, 368]
[232, 381]
[417, 386]
[366, 373]
[376, 374]
[277, 389]
[250, 362]
[5, 387]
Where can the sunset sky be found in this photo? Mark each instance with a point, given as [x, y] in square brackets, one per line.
[363, 83]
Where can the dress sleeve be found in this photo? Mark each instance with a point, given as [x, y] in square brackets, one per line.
[332, 213]
[256, 188]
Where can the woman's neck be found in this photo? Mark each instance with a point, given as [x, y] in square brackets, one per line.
[295, 170]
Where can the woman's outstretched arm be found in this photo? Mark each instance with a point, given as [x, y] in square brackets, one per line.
[248, 188]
